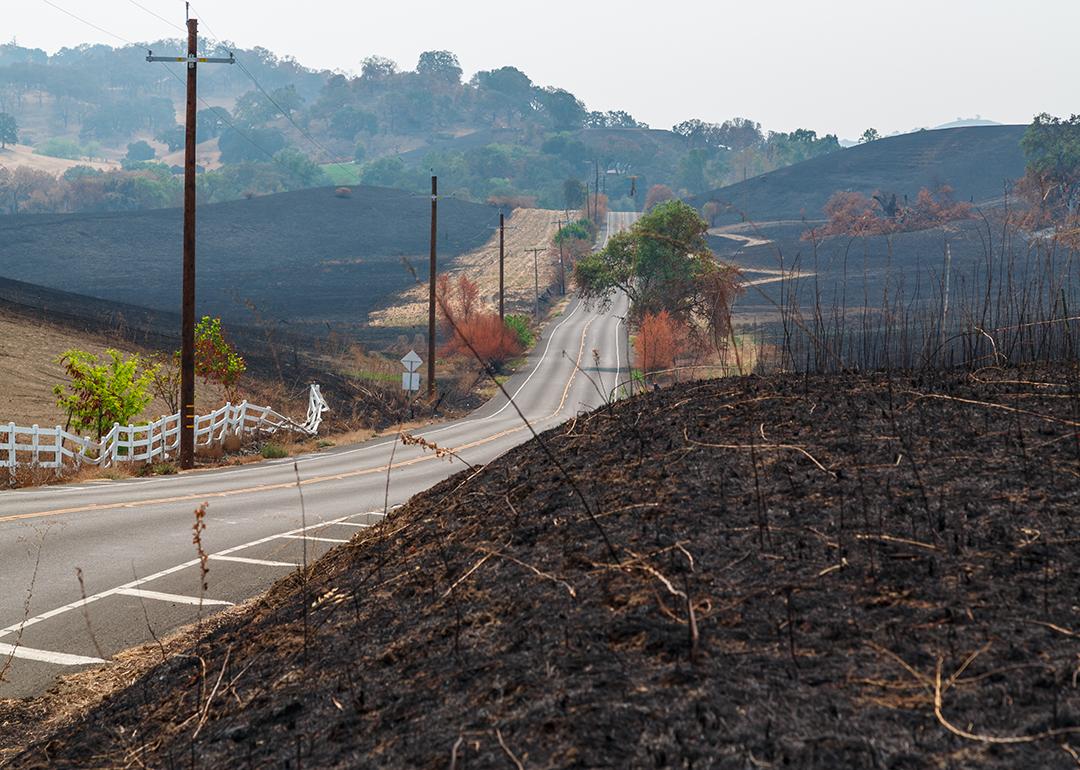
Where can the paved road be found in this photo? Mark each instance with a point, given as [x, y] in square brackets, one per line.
[131, 541]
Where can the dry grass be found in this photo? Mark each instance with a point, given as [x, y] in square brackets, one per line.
[16, 155]
[29, 348]
[525, 229]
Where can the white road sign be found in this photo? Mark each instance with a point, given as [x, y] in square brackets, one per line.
[411, 362]
[410, 378]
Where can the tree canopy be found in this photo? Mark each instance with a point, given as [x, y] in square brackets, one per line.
[662, 263]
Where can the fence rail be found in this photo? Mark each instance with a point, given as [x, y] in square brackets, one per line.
[54, 447]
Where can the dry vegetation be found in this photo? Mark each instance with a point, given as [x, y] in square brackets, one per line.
[16, 155]
[525, 229]
[28, 351]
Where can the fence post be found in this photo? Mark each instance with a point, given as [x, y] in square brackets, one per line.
[11, 445]
[35, 443]
[59, 448]
[115, 443]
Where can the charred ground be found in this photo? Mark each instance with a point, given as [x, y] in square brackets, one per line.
[799, 568]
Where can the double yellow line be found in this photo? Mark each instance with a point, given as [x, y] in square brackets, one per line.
[304, 482]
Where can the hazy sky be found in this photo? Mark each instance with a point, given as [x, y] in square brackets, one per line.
[837, 66]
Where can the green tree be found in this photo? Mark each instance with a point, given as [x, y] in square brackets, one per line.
[573, 194]
[216, 360]
[663, 263]
[103, 392]
[251, 145]
[869, 135]
[140, 150]
[1052, 148]
[440, 64]
[9, 130]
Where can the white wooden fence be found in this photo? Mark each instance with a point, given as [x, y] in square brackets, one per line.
[53, 447]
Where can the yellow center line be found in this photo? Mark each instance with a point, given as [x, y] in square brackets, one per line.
[304, 482]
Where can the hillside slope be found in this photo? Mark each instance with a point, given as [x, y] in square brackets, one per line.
[975, 161]
[781, 572]
[301, 258]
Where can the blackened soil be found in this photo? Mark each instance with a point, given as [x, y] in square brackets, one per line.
[799, 567]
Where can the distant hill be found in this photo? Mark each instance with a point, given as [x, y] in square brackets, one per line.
[963, 122]
[302, 259]
[975, 161]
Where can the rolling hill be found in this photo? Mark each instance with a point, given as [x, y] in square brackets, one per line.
[305, 258]
[975, 161]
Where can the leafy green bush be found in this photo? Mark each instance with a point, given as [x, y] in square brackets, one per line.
[60, 148]
[101, 393]
[273, 451]
[520, 326]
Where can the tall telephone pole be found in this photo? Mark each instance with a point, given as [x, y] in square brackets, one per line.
[502, 256]
[431, 288]
[187, 314]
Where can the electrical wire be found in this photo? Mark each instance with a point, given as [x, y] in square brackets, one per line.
[87, 23]
[172, 24]
[168, 69]
[315, 143]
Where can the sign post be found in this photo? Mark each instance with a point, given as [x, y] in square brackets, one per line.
[410, 378]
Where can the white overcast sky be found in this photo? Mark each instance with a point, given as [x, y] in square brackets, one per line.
[837, 66]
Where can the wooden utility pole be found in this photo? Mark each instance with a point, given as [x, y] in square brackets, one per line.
[502, 256]
[536, 283]
[431, 287]
[187, 304]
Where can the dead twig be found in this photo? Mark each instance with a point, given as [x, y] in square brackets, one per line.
[213, 692]
[748, 448]
[505, 748]
[539, 573]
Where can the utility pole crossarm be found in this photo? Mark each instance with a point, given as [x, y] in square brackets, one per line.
[192, 59]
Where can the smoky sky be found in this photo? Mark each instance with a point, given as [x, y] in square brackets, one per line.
[837, 67]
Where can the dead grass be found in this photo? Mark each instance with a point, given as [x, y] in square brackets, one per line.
[16, 155]
[525, 229]
[29, 348]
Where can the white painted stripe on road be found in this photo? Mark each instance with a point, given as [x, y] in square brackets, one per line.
[14, 628]
[353, 524]
[316, 539]
[174, 598]
[258, 562]
[45, 656]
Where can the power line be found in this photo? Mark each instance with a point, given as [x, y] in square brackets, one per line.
[168, 69]
[156, 15]
[303, 132]
[87, 23]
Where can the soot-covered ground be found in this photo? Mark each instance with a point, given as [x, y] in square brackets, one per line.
[794, 571]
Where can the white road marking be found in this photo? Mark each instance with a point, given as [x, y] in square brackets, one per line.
[316, 539]
[259, 562]
[351, 524]
[45, 656]
[174, 598]
[63, 659]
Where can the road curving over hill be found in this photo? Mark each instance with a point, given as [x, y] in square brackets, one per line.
[88, 570]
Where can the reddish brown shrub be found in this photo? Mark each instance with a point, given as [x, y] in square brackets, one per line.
[852, 213]
[461, 319]
[660, 340]
[657, 194]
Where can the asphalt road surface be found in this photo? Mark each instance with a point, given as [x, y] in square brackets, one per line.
[89, 570]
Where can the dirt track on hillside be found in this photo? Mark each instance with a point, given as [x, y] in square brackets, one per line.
[525, 229]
